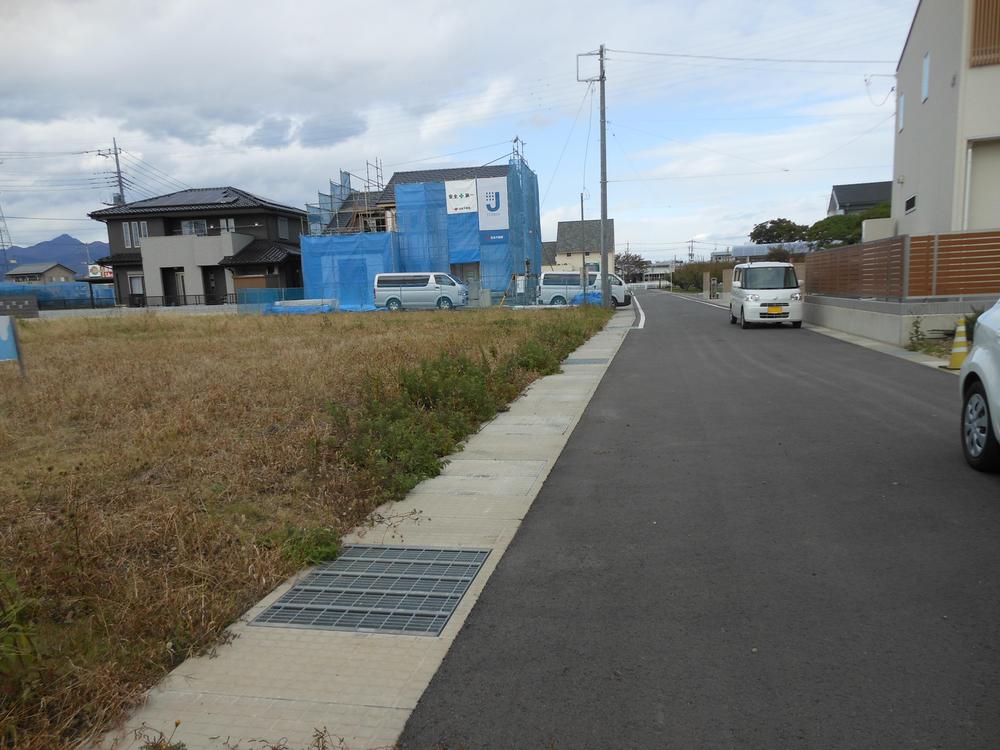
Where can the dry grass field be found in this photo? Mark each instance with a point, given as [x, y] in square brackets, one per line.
[158, 475]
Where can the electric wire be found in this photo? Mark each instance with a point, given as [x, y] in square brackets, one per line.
[569, 136]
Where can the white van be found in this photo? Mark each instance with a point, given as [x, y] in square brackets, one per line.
[395, 291]
[560, 287]
[765, 293]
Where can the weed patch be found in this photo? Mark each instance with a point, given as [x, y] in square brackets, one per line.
[159, 475]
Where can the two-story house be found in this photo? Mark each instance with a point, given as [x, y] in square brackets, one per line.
[201, 246]
[947, 148]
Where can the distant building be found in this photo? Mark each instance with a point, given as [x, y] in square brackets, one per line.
[858, 197]
[201, 246]
[578, 243]
[39, 273]
[480, 223]
[946, 166]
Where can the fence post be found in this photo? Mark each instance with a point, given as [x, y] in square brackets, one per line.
[934, 267]
[905, 291]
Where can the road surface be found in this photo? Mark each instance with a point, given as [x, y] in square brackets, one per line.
[763, 538]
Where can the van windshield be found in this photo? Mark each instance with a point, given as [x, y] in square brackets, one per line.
[772, 277]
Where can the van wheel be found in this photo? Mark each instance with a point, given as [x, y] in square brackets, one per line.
[445, 304]
[557, 300]
[613, 301]
[732, 318]
[393, 304]
[796, 324]
[743, 320]
[979, 442]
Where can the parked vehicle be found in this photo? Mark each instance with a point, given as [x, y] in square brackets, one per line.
[560, 287]
[395, 291]
[765, 293]
[979, 384]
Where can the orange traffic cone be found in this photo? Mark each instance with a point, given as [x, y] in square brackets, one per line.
[960, 349]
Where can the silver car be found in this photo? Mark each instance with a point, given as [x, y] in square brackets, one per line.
[979, 383]
[395, 291]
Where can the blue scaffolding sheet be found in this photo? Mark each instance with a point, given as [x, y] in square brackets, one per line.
[343, 267]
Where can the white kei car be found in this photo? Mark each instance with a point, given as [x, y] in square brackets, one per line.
[979, 383]
[765, 293]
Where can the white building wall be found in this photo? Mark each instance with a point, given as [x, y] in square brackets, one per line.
[189, 252]
[927, 156]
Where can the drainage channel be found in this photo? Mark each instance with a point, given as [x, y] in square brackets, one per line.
[379, 589]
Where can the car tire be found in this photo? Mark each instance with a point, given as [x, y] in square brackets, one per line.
[743, 320]
[613, 301]
[444, 303]
[393, 304]
[796, 324]
[557, 300]
[732, 318]
[979, 442]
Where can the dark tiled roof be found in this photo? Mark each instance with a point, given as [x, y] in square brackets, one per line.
[568, 236]
[260, 251]
[121, 259]
[357, 201]
[549, 253]
[863, 194]
[439, 175]
[195, 199]
[30, 268]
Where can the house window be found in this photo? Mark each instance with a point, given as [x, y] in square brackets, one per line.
[282, 228]
[985, 42]
[925, 79]
[136, 284]
[227, 225]
[135, 234]
[911, 204]
[900, 112]
[126, 235]
[194, 226]
[143, 229]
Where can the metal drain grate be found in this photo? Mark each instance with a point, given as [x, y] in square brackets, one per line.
[585, 361]
[369, 588]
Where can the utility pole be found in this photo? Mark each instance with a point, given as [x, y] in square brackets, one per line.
[5, 242]
[584, 273]
[118, 169]
[605, 288]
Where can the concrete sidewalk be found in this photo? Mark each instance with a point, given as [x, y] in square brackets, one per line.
[277, 683]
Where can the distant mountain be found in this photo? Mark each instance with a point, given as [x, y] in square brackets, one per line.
[64, 249]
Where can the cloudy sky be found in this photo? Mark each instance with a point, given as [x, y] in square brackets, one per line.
[276, 98]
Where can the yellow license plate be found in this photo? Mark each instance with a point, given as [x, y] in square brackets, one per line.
[775, 310]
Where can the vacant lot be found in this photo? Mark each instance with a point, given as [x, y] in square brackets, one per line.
[158, 475]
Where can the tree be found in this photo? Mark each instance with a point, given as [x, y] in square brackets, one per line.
[777, 230]
[840, 229]
[778, 254]
[630, 266]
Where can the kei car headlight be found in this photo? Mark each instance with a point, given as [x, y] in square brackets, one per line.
[796, 296]
[753, 297]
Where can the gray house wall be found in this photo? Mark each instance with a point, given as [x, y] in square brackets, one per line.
[926, 149]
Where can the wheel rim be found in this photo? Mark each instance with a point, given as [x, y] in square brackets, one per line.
[975, 425]
[444, 303]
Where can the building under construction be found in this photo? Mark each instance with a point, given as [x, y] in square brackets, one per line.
[481, 224]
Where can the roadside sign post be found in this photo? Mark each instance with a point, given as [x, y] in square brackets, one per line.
[10, 346]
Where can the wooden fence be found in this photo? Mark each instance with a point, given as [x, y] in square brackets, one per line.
[873, 269]
[936, 265]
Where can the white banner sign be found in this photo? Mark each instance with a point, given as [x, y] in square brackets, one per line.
[493, 213]
[461, 195]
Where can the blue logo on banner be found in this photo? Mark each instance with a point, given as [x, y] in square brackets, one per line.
[8, 347]
[493, 197]
[493, 236]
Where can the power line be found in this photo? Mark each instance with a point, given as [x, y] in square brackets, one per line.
[169, 178]
[588, 92]
[754, 59]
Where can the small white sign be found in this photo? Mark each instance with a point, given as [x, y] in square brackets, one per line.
[461, 196]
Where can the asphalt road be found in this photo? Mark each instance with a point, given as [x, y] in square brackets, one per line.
[763, 538]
